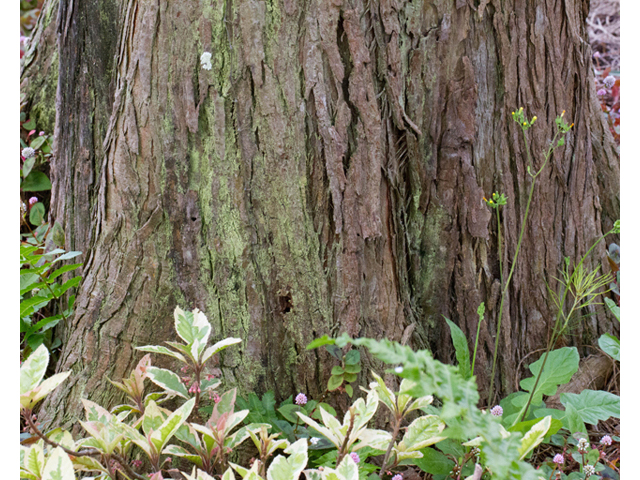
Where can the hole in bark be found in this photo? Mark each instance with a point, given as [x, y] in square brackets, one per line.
[193, 219]
[286, 304]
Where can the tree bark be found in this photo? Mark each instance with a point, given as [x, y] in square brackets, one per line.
[325, 176]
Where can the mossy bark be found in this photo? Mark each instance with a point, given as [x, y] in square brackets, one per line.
[325, 176]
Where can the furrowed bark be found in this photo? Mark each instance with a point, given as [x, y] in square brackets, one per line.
[325, 176]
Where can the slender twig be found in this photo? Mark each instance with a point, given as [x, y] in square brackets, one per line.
[396, 430]
[343, 448]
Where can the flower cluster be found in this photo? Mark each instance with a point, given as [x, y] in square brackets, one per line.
[522, 120]
[583, 445]
[28, 152]
[558, 459]
[497, 411]
[497, 200]
[354, 456]
[301, 399]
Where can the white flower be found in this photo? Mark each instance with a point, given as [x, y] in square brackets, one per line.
[583, 445]
[314, 440]
[609, 81]
[205, 60]
[589, 470]
[399, 369]
[28, 152]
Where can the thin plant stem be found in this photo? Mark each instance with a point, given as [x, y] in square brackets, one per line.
[552, 147]
[475, 348]
[396, 430]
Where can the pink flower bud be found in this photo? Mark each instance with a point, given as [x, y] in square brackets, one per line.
[33, 200]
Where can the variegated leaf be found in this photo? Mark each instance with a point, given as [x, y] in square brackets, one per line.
[181, 452]
[534, 437]
[161, 436]
[162, 350]
[192, 325]
[168, 380]
[33, 369]
[58, 467]
[320, 429]
[217, 347]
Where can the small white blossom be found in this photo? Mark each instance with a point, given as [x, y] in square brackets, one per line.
[609, 81]
[28, 152]
[399, 369]
[205, 60]
[583, 445]
[314, 440]
[589, 470]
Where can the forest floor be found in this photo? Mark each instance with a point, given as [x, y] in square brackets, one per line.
[603, 25]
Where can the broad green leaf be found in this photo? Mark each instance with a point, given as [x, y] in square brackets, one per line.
[36, 214]
[349, 389]
[610, 345]
[352, 357]
[337, 370]
[192, 325]
[59, 290]
[559, 368]
[88, 464]
[422, 432]
[58, 467]
[434, 462]
[350, 377]
[162, 350]
[219, 346]
[161, 436]
[352, 368]
[228, 475]
[334, 382]
[26, 280]
[289, 412]
[168, 380]
[45, 324]
[556, 423]
[36, 182]
[33, 369]
[573, 421]
[615, 309]
[593, 405]
[461, 348]
[534, 437]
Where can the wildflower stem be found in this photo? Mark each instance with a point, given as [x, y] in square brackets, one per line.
[396, 430]
[552, 146]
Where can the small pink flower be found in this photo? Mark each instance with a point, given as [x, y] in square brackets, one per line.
[397, 477]
[33, 200]
[354, 456]
[596, 55]
[601, 92]
[301, 399]
[136, 463]
[41, 133]
[216, 397]
[558, 459]
[606, 440]
[497, 411]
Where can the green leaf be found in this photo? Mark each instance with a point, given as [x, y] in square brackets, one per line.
[613, 307]
[33, 369]
[162, 350]
[36, 182]
[36, 214]
[319, 342]
[349, 390]
[29, 124]
[350, 377]
[58, 467]
[593, 456]
[289, 412]
[593, 405]
[337, 370]
[422, 432]
[191, 326]
[534, 436]
[67, 256]
[434, 462]
[573, 421]
[168, 380]
[161, 436]
[556, 423]
[37, 142]
[29, 399]
[289, 468]
[34, 460]
[560, 367]
[27, 166]
[334, 382]
[352, 357]
[217, 347]
[66, 268]
[27, 280]
[352, 368]
[610, 345]
[461, 347]
[59, 290]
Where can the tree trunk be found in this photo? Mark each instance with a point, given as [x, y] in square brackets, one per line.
[325, 176]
